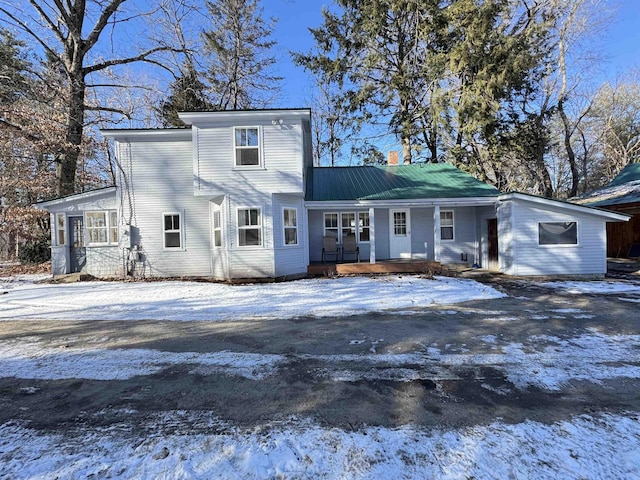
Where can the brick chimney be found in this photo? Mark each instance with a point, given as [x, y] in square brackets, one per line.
[392, 157]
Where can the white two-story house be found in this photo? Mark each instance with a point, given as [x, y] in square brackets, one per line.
[236, 196]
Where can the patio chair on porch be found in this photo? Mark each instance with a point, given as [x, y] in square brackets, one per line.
[329, 247]
[350, 247]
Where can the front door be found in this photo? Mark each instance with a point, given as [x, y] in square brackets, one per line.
[77, 250]
[492, 231]
[400, 234]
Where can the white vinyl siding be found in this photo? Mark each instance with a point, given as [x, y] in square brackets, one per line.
[153, 192]
[587, 257]
[281, 158]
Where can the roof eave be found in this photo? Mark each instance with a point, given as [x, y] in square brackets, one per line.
[599, 212]
[75, 198]
[414, 202]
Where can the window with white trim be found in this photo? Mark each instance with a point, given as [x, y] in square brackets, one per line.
[446, 225]
[102, 227]
[364, 228]
[348, 224]
[246, 146]
[331, 225]
[290, 223]
[249, 227]
[172, 230]
[558, 233]
[217, 228]
[61, 229]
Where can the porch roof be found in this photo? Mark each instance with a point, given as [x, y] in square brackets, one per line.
[393, 182]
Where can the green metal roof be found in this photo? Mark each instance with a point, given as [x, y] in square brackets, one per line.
[630, 173]
[393, 182]
[623, 189]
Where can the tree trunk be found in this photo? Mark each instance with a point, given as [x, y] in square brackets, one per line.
[67, 162]
[406, 149]
[571, 156]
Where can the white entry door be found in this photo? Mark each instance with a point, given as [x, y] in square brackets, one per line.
[399, 234]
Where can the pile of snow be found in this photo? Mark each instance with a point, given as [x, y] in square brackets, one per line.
[169, 300]
[605, 446]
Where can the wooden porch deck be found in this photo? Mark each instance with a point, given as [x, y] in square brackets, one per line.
[383, 266]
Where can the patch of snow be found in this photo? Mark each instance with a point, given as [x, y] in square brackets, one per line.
[596, 287]
[29, 359]
[632, 300]
[580, 447]
[218, 302]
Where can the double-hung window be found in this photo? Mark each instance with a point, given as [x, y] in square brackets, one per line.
[364, 228]
[290, 223]
[558, 233]
[217, 228]
[172, 230]
[331, 225]
[247, 146]
[348, 224]
[102, 227]
[61, 229]
[249, 227]
[446, 225]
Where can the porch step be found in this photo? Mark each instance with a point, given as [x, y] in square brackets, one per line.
[72, 278]
[419, 266]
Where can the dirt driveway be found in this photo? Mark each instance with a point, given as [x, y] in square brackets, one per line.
[538, 354]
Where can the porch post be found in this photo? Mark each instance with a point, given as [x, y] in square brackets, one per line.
[372, 236]
[436, 233]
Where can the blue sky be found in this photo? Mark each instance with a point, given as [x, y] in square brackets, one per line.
[620, 43]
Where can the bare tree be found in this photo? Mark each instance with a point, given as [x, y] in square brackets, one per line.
[71, 33]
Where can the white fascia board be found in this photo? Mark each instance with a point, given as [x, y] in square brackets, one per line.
[230, 116]
[613, 216]
[78, 197]
[156, 133]
[418, 202]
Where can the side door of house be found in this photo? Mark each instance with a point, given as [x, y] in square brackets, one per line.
[77, 250]
[492, 234]
[399, 233]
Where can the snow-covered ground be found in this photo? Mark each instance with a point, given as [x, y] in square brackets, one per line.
[216, 302]
[585, 447]
[598, 446]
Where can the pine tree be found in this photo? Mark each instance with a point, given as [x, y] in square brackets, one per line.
[239, 47]
[187, 94]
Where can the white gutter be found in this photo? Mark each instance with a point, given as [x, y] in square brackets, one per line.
[76, 197]
[415, 202]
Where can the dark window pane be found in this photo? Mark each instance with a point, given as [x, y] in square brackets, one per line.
[291, 236]
[558, 233]
[172, 240]
[247, 156]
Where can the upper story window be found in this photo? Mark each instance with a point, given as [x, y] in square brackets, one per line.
[247, 146]
[172, 230]
[446, 224]
[102, 227]
[558, 233]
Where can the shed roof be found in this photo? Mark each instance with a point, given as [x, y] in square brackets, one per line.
[623, 189]
[394, 182]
